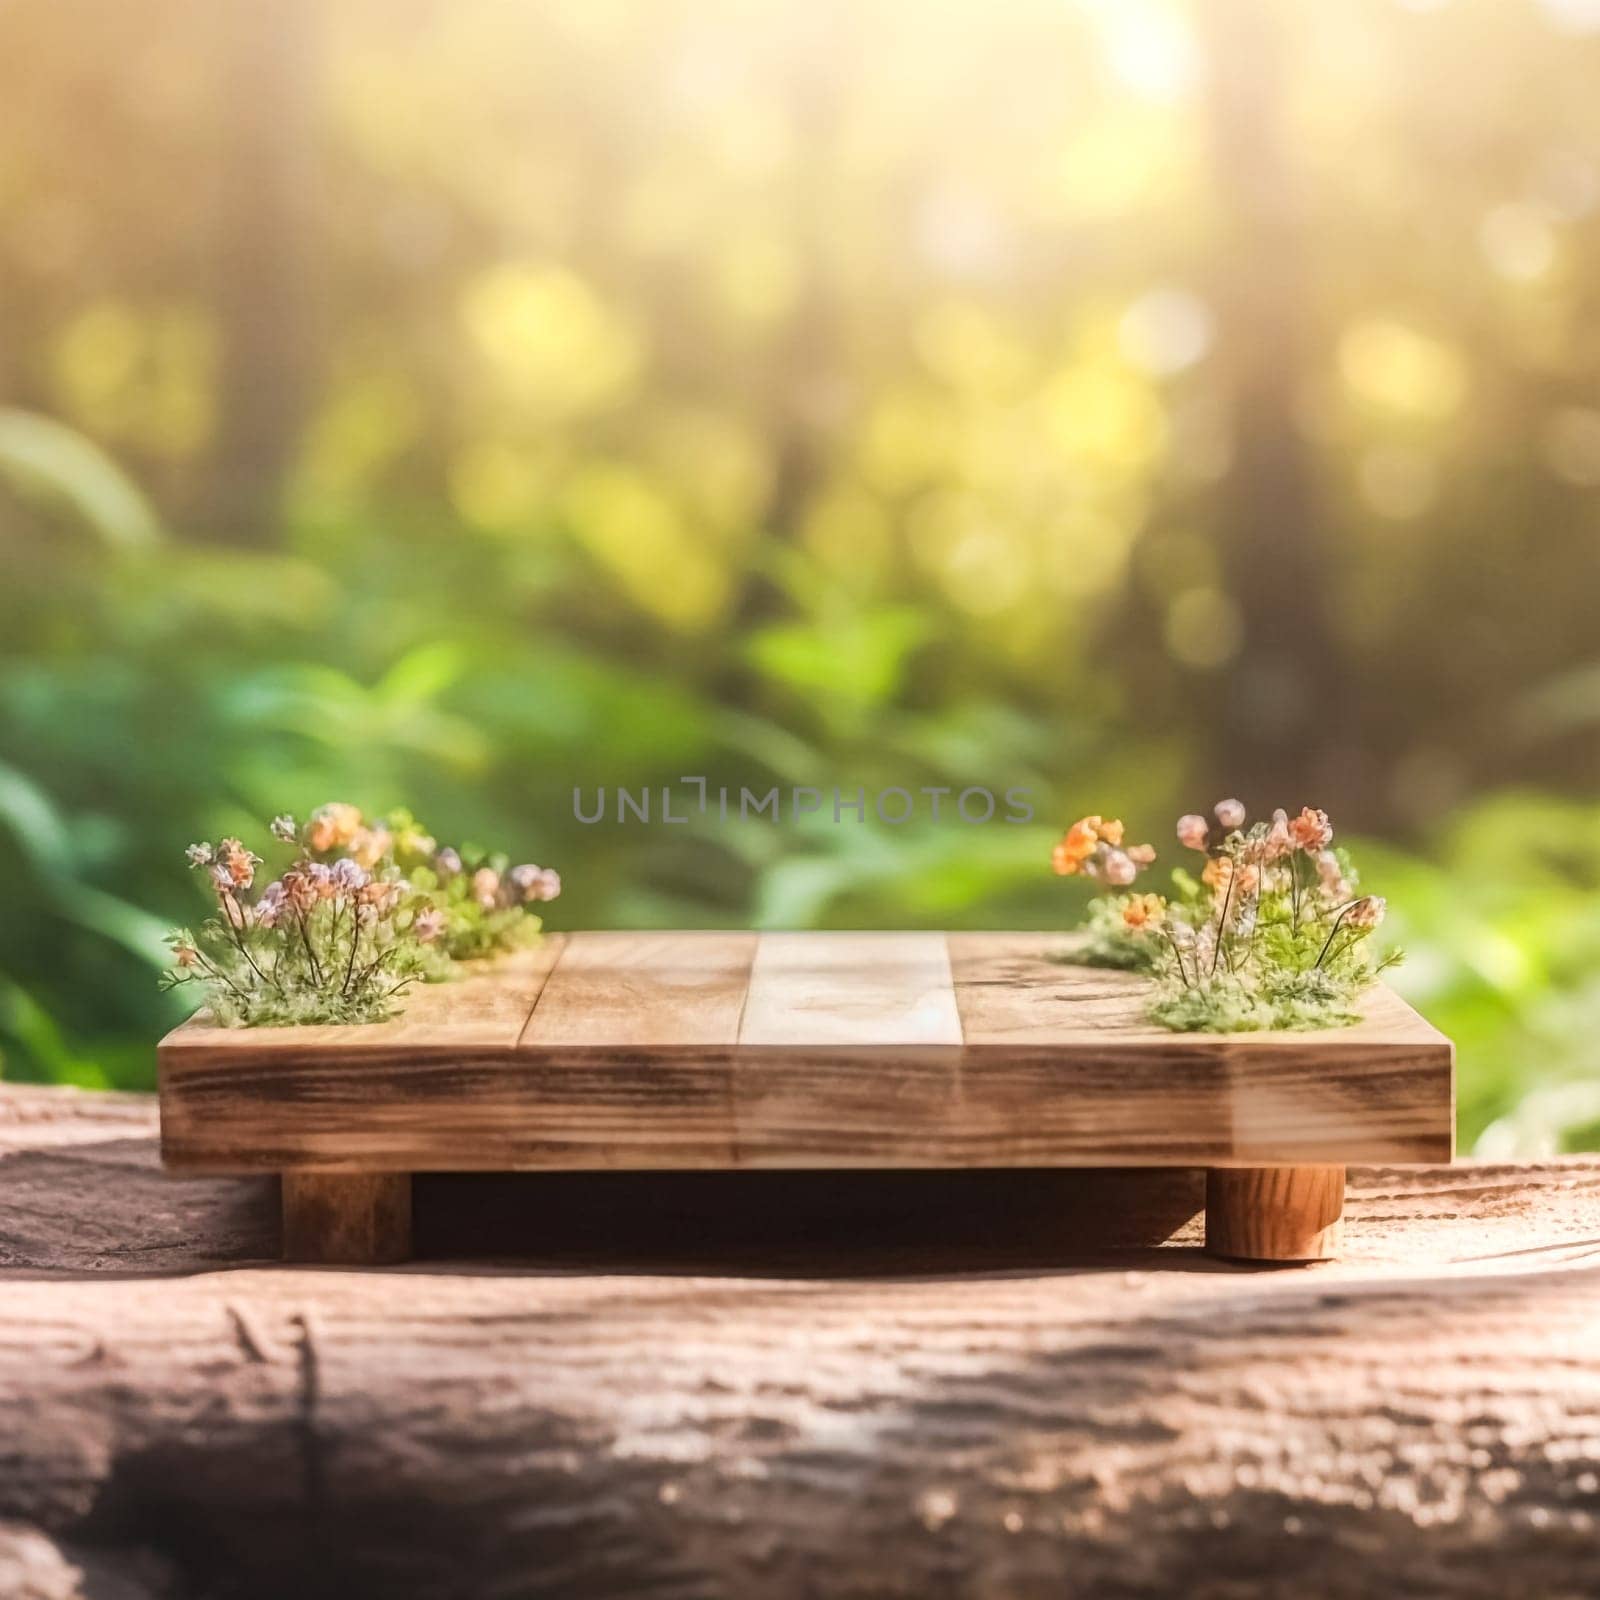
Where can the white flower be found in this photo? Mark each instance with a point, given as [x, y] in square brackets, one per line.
[283, 828]
[200, 855]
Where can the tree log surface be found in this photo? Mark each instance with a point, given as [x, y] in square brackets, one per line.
[768, 1384]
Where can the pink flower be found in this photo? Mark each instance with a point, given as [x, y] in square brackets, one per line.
[1141, 855]
[485, 886]
[536, 883]
[271, 905]
[378, 894]
[1119, 868]
[1331, 876]
[1367, 912]
[299, 890]
[238, 862]
[1230, 813]
[1277, 843]
[1193, 831]
[429, 924]
[347, 876]
[186, 955]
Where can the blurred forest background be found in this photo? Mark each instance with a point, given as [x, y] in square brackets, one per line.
[452, 402]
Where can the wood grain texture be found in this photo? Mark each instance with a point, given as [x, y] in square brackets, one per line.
[852, 990]
[649, 1408]
[1275, 1213]
[627, 991]
[340, 1219]
[1072, 1044]
[349, 1099]
[660, 1051]
[627, 1060]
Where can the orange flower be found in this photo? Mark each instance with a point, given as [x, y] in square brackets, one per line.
[1216, 873]
[368, 845]
[1311, 830]
[1110, 831]
[1144, 910]
[1076, 847]
[332, 826]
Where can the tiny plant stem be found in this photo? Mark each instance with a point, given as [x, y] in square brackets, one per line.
[1222, 919]
[367, 972]
[238, 933]
[212, 970]
[355, 939]
[1177, 955]
[311, 955]
[1332, 934]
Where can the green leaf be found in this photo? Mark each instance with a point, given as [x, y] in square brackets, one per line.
[55, 466]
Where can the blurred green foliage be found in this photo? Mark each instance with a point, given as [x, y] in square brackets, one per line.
[455, 405]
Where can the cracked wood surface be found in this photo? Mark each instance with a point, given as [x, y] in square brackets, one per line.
[786, 1384]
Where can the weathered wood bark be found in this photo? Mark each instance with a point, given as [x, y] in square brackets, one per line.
[780, 1384]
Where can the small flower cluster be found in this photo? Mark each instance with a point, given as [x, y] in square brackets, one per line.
[363, 909]
[478, 903]
[324, 942]
[1270, 934]
[1093, 846]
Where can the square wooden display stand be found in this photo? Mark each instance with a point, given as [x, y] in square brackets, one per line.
[804, 1050]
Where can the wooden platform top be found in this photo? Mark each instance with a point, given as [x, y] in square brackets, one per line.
[794, 1049]
[649, 992]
